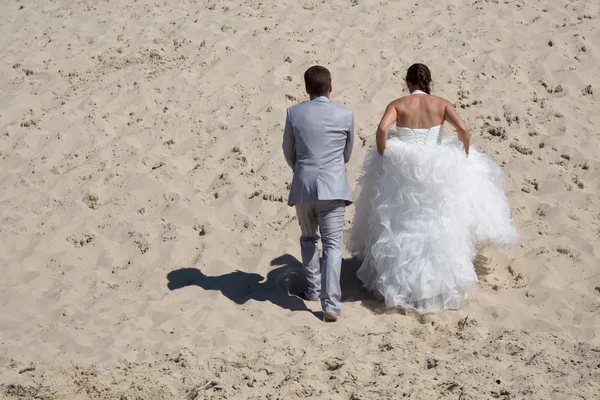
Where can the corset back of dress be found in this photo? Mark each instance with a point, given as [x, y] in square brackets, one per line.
[420, 137]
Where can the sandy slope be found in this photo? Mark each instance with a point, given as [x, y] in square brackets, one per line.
[146, 244]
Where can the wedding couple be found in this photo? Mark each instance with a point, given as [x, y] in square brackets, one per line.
[425, 206]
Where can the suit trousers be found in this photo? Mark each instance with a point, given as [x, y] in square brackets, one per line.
[323, 277]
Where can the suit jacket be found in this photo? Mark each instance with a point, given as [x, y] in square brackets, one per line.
[317, 143]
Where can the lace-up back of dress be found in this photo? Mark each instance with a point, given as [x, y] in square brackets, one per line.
[421, 137]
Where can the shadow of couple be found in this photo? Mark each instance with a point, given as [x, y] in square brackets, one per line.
[281, 286]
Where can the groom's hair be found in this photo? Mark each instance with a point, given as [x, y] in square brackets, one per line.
[317, 80]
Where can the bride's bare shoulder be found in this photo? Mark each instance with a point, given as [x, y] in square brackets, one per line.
[408, 97]
[440, 99]
[433, 99]
[400, 100]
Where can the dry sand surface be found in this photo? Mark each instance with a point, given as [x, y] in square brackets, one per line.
[146, 246]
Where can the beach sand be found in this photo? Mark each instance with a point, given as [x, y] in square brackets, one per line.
[146, 245]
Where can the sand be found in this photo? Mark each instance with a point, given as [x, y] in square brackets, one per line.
[146, 245]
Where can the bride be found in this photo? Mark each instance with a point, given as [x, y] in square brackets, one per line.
[426, 205]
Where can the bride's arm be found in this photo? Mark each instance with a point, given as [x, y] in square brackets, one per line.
[387, 120]
[454, 119]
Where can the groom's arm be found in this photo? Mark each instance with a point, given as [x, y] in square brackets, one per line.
[349, 140]
[289, 144]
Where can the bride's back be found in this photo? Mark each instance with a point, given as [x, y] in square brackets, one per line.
[420, 111]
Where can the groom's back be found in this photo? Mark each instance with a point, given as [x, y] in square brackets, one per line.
[322, 135]
[320, 129]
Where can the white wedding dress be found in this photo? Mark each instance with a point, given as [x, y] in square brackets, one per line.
[423, 211]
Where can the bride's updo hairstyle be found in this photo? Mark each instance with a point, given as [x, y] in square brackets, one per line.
[419, 76]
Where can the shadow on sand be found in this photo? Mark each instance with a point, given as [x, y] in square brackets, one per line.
[281, 286]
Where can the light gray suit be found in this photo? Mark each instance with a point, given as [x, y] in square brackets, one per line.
[317, 143]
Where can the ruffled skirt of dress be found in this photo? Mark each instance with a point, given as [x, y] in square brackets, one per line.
[422, 213]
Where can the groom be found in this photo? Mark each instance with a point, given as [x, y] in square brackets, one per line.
[317, 143]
